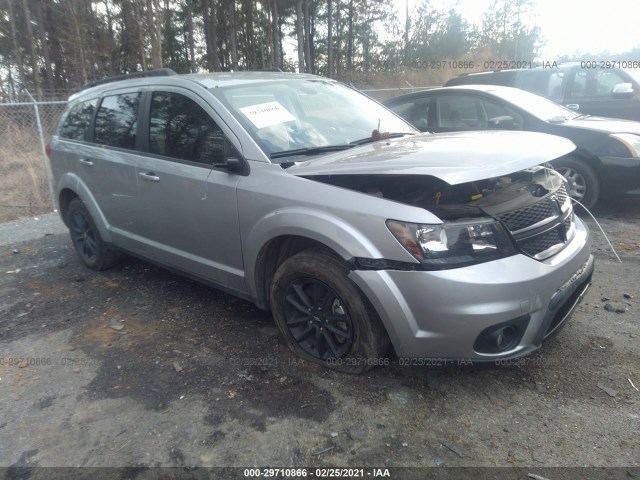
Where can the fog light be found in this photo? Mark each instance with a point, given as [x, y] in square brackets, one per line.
[505, 338]
[502, 337]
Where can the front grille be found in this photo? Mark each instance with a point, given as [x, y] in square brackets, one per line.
[561, 194]
[519, 219]
[543, 210]
[540, 243]
[540, 230]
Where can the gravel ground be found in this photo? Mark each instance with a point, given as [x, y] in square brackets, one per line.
[30, 228]
[140, 367]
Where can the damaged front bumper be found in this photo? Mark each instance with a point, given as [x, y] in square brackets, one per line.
[463, 313]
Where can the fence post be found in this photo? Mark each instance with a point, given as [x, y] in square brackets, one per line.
[45, 158]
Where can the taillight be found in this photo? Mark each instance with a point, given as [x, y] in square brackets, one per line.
[47, 150]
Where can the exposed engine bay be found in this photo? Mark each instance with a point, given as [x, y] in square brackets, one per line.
[487, 197]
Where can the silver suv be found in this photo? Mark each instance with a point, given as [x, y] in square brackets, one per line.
[308, 198]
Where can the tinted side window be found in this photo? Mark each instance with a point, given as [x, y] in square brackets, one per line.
[180, 128]
[415, 111]
[547, 83]
[494, 110]
[77, 123]
[458, 111]
[117, 121]
[594, 83]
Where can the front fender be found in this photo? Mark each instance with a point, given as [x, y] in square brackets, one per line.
[323, 227]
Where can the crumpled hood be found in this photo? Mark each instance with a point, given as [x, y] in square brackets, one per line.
[452, 157]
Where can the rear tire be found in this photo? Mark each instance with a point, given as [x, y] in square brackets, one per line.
[324, 317]
[582, 180]
[92, 250]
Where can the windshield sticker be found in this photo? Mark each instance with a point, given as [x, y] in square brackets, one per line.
[267, 114]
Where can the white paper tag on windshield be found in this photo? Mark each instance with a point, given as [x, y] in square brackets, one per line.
[267, 114]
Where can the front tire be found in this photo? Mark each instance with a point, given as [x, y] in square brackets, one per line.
[323, 316]
[86, 239]
[582, 180]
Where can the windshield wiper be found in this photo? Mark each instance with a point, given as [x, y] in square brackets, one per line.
[329, 148]
[364, 141]
[311, 150]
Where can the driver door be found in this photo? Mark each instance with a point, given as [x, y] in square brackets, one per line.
[189, 209]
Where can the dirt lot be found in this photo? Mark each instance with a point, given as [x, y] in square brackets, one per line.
[139, 367]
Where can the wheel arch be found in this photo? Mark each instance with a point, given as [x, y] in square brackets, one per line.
[272, 255]
[70, 186]
[288, 231]
[64, 199]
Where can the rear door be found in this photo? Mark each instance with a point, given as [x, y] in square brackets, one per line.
[187, 208]
[108, 166]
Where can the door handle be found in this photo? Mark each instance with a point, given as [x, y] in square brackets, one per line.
[149, 176]
[86, 162]
[573, 106]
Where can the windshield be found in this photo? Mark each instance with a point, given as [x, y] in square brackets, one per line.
[535, 105]
[287, 115]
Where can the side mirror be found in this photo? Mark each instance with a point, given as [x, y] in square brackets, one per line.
[622, 90]
[504, 122]
[221, 154]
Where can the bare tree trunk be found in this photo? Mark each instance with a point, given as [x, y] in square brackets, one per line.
[45, 48]
[34, 49]
[250, 45]
[233, 34]
[307, 38]
[300, 35]
[330, 39]
[214, 37]
[111, 35]
[338, 49]
[80, 42]
[190, 41]
[207, 34]
[16, 46]
[275, 31]
[56, 50]
[407, 26]
[366, 42]
[137, 10]
[350, 39]
[155, 30]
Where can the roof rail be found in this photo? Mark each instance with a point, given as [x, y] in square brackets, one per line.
[159, 72]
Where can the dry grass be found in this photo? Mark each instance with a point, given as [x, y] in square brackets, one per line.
[23, 182]
[425, 74]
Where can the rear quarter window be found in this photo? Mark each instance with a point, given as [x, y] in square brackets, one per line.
[77, 124]
[117, 121]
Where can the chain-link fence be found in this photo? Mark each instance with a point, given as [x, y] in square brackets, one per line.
[25, 127]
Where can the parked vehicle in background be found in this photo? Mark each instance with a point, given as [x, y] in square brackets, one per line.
[606, 161]
[304, 196]
[590, 87]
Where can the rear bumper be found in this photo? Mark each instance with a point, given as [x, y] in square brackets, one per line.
[442, 315]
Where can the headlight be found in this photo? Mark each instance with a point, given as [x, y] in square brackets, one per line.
[453, 244]
[630, 141]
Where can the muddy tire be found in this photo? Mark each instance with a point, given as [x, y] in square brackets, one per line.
[582, 180]
[323, 315]
[86, 239]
